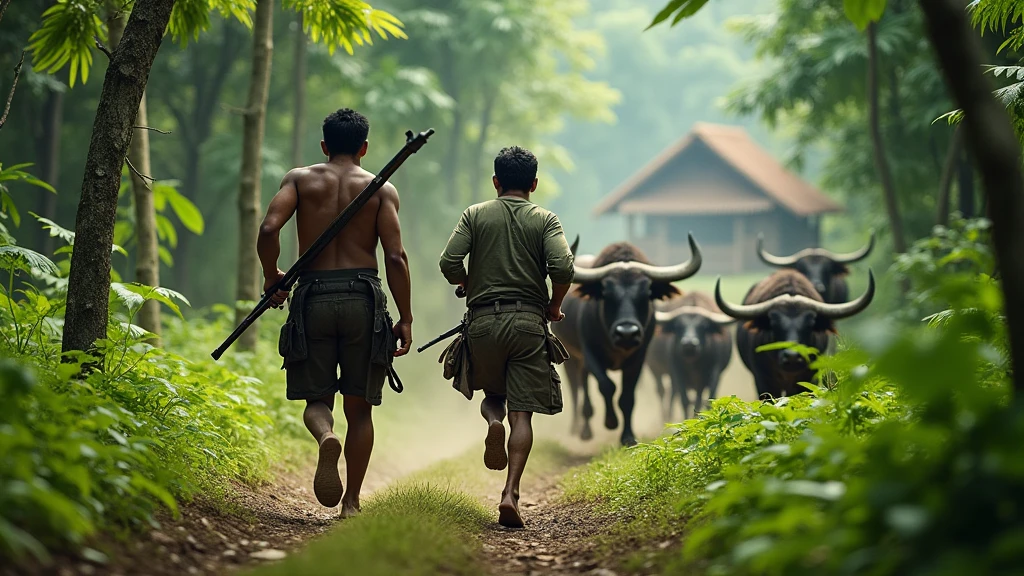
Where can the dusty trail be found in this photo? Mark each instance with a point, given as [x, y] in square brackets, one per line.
[269, 522]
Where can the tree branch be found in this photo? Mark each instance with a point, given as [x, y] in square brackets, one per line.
[17, 74]
[152, 129]
[103, 48]
[145, 179]
[3, 7]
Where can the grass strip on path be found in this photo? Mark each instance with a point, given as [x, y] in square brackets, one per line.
[426, 523]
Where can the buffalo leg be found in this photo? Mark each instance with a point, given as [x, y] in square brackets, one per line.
[714, 377]
[587, 410]
[573, 367]
[607, 388]
[679, 388]
[627, 400]
[665, 401]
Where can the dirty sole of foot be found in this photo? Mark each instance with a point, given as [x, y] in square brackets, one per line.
[327, 481]
[495, 457]
[509, 517]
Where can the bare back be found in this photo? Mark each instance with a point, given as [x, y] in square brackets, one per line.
[324, 190]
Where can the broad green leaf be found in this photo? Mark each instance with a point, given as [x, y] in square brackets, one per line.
[864, 12]
[681, 8]
[134, 294]
[187, 212]
[165, 255]
[24, 259]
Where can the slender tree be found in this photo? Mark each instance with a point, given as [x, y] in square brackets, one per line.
[248, 287]
[946, 182]
[892, 206]
[298, 122]
[147, 260]
[123, 86]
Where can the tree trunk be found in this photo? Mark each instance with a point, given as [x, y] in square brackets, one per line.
[996, 150]
[454, 198]
[946, 181]
[249, 200]
[191, 189]
[481, 143]
[290, 235]
[147, 259]
[123, 86]
[49, 153]
[878, 147]
[966, 187]
[147, 263]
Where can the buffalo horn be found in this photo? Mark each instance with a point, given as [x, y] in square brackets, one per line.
[655, 273]
[575, 245]
[830, 311]
[695, 310]
[786, 261]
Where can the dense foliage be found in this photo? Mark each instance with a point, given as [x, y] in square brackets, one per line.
[908, 465]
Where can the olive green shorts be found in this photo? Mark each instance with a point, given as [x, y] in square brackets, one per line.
[508, 356]
[339, 336]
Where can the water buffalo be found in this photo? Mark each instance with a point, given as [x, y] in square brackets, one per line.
[785, 307]
[826, 270]
[609, 321]
[693, 347]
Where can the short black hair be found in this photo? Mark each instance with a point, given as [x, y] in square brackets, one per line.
[345, 131]
[515, 168]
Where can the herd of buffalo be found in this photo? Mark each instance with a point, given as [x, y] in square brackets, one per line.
[626, 312]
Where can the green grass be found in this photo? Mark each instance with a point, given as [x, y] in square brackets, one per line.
[416, 529]
[423, 524]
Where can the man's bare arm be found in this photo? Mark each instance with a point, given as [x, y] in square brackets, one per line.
[396, 263]
[268, 243]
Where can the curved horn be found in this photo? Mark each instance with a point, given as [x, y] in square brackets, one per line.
[855, 256]
[785, 261]
[846, 309]
[830, 311]
[695, 310]
[575, 245]
[740, 311]
[773, 260]
[655, 273]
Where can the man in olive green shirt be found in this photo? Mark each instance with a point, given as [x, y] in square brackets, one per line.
[513, 246]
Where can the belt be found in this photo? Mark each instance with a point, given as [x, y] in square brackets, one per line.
[500, 307]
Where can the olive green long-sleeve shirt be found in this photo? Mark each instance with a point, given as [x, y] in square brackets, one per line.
[507, 263]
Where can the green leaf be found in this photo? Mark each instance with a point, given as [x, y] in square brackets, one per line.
[165, 255]
[864, 12]
[134, 294]
[187, 212]
[681, 8]
[24, 259]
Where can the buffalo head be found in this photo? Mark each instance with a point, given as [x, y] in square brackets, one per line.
[792, 317]
[824, 269]
[624, 284]
[690, 326]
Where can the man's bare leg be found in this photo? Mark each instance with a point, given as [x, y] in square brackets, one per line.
[520, 441]
[493, 410]
[358, 445]
[319, 420]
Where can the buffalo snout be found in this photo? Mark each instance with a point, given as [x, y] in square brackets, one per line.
[689, 346]
[627, 335]
[791, 360]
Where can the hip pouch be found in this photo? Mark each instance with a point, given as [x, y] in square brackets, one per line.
[557, 353]
[291, 343]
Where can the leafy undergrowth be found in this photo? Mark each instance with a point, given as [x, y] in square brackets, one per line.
[911, 464]
[85, 450]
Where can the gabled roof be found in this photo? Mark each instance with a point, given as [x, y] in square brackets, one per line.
[737, 149]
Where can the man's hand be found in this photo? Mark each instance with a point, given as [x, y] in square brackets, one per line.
[554, 312]
[403, 332]
[279, 298]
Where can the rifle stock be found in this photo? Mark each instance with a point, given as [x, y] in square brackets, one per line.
[413, 142]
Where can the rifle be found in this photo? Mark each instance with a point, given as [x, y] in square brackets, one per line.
[412, 145]
[460, 292]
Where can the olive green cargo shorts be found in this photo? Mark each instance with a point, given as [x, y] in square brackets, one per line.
[339, 335]
[509, 357]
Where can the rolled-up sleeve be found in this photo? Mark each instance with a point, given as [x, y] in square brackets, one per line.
[557, 254]
[453, 258]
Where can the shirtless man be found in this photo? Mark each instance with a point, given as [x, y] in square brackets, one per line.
[513, 246]
[331, 319]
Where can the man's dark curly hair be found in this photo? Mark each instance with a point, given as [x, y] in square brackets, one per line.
[515, 168]
[345, 131]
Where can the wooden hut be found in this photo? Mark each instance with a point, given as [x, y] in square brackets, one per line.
[721, 185]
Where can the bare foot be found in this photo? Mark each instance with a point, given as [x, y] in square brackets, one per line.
[349, 510]
[495, 457]
[508, 513]
[327, 481]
